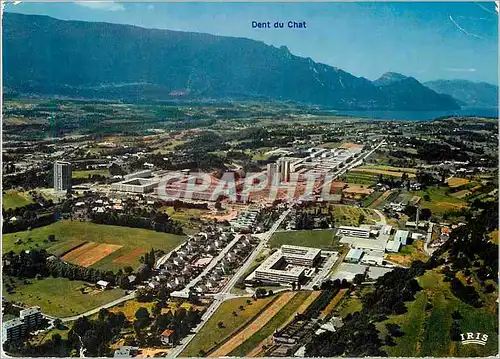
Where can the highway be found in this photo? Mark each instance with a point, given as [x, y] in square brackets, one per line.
[225, 294]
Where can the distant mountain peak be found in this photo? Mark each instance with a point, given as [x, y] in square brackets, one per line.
[388, 78]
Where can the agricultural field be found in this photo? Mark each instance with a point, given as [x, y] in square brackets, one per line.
[307, 238]
[41, 292]
[454, 182]
[277, 320]
[360, 178]
[427, 329]
[85, 174]
[15, 199]
[211, 334]
[408, 170]
[440, 200]
[104, 247]
[384, 172]
[352, 216]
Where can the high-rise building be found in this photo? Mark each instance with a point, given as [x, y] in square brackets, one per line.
[284, 170]
[62, 175]
[272, 169]
[15, 329]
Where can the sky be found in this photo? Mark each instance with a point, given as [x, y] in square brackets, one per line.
[428, 41]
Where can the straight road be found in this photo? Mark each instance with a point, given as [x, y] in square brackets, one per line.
[225, 294]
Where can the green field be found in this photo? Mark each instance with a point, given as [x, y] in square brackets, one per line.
[211, 334]
[350, 215]
[360, 178]
[60, 297]
[276, 322]
[322, 238]
[87, 173]
[70, 233]
[15, 199]
[440, 200]
[427, 332]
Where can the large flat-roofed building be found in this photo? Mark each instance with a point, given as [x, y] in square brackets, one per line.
[401, 236]
[136, 185]
[275, 269]
[354, 255]
[303, 256]
[31, 316]
[288, 265]
[13, 330]
[140, 174]
[354, 231]
[62, 175]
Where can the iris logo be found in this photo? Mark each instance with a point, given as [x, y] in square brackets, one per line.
[474, 338]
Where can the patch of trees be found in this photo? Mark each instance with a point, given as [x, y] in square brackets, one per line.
[29, 219]
[161, 222]
[181, 322]
[95, 335]
[359, 336]
[467, 294]
[38, 263]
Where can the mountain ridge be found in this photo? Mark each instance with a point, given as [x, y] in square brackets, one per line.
[166, 64]
[468, 93]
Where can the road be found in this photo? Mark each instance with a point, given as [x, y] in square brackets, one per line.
[428, 239]
[212, 263]
[383, 220]
[96, 310]
[225, 294]
[358, 161]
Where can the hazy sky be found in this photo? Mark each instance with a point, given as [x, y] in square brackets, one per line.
[425, 40]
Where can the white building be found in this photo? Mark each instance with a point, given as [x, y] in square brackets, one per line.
[353, 231]
[62, 175]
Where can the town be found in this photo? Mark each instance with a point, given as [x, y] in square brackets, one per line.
[255, 236]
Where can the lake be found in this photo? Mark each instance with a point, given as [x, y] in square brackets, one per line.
[422, 115]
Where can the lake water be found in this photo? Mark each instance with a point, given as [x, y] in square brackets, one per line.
[422, 115]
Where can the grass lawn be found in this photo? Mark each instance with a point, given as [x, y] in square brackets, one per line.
[349, 305]
[276, 322]
[315, 238]
[60, 297]
[211, 333]
[427, 333]
[75, 231]
[15, 199]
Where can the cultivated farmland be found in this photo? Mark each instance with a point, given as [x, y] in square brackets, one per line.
[123, 246]
[211, 334]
